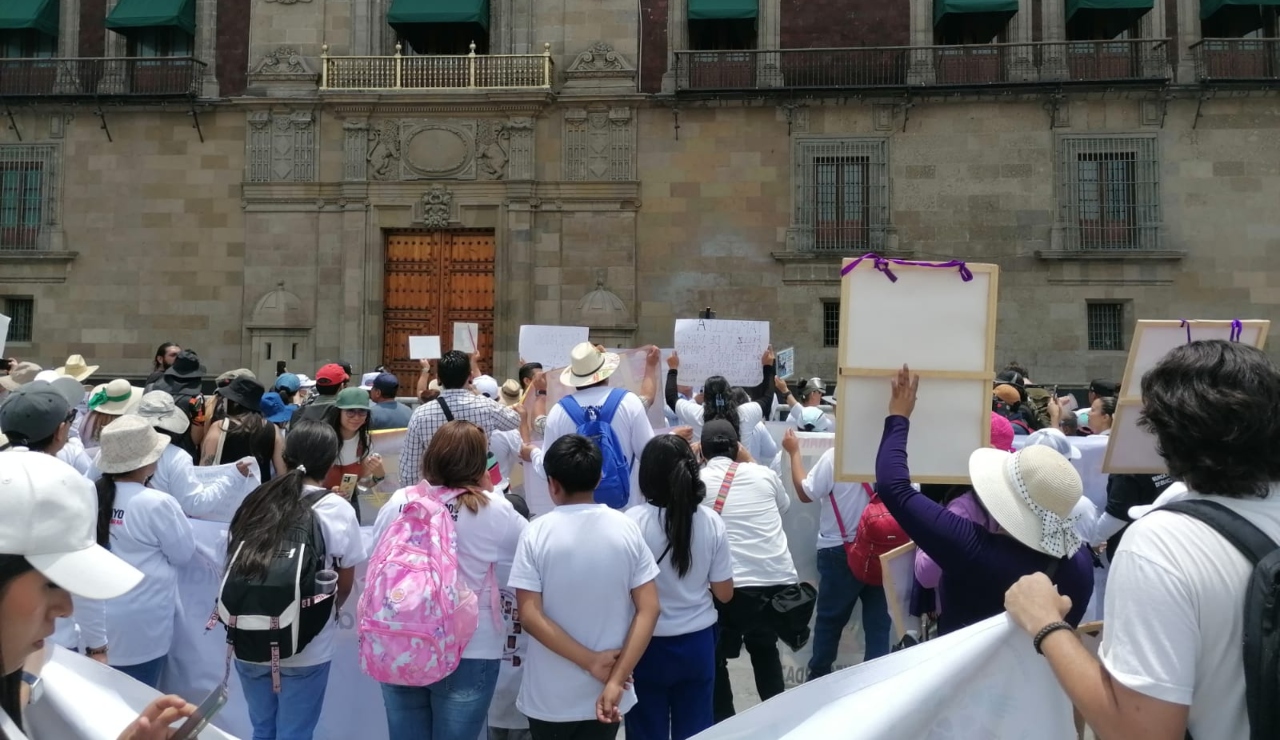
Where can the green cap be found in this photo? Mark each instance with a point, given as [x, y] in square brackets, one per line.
[353, 398]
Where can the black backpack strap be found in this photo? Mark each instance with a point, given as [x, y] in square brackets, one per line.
[444, 409]
[1252, 542]
[1051, 569]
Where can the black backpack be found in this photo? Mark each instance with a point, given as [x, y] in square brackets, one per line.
[1261, 646]
[275, 617]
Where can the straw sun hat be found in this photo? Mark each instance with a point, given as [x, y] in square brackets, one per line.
[115, 398]
[129, 444]
[589, 366]
[160, 411]
[1031, 494]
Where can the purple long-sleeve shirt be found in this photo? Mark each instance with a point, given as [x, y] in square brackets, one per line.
[978, 566]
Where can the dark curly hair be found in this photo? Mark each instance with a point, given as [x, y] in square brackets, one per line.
[1212, 408]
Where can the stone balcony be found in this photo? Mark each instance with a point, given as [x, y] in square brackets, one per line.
[418, 73]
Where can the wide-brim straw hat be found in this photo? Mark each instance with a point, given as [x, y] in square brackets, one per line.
[19, 375]
[161, 412]
[115, 398]
[76, 367]
[1031, 494]
[510, 393]
[588, 366]
[128, 444]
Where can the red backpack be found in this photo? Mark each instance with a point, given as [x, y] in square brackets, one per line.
[878, 533]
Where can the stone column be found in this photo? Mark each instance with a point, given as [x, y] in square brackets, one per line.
[1188, 34]
[1021, 64]
[1155, 59]
[1053, 28]
[921, 71]
[769, 38]
[116, 45]
[677, 39]
[69, 33]
[206, 45]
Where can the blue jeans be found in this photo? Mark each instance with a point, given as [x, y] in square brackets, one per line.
[674, 683]
[148, 673]
[838, 591]
[454, 708]
[293, 713]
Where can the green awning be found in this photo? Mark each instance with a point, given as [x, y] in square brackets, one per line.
[703, 10]
[946, 7]
[1209, 7]
[131, 14]
[1076, 5]
[30, 15]
[411, 12]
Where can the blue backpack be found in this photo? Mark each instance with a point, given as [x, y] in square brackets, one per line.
[595, 423]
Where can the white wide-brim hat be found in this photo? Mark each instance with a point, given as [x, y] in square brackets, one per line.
[128, 444]
[588, 366]
[161, 412]
[116, 398]
[1031, 494]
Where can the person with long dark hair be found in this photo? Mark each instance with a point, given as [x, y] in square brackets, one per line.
[487, 530]
[349, 417]
[244, 432]
[719, 401]
[49, 551]
[148, 530]
[166, 354]
[675, 678]
[257, 530]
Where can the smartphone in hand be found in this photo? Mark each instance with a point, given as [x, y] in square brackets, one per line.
[212, 704]
[348, 486]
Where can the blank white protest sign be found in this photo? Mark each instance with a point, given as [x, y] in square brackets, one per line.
[943, 327]
[424, 348]
[1131, 450]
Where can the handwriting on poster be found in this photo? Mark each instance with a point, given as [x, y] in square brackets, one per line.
[721, 347]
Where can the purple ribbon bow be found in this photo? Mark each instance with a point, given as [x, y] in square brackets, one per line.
[883, 265]
[1237, 329]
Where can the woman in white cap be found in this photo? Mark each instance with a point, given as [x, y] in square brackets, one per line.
[107, 403]
[175, 471]
[149, 531]
[48, 551]
[1029, 494]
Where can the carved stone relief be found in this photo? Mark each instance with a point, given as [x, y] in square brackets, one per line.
[600, 66]
[281, 147]
[486, 149]
[286, 62]
[435, 209]
[599, 144]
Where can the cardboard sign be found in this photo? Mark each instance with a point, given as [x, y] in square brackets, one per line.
[898, 567]
[721, 347]
[466, 337]
[786, 362]
[4, 332]
[944, 328]
[424, 348]
[1131, 449]
[550, 346]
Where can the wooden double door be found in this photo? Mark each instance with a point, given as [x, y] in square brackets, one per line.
[432, 280]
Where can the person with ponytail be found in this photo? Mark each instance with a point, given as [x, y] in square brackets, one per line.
[257, 531]
[675, 678]
[719, 401]
[148, 530]
[49, 552]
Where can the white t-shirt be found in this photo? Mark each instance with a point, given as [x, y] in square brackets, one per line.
[343, 543]
[686, 602]
[73, 454]
[505, 447]
[149, 532]
[852, 498]
[584, 559]
[749, 415]
[630, 424]
[753, 518]
[1175, 614]
[763, 449]
[485, 539]
[175, 474]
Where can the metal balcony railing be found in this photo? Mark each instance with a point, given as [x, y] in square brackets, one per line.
[976, 65]
[127, 77]
[1240, 60]
[470, 71]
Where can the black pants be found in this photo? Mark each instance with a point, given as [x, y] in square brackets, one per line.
[742, 622]
[588, 729]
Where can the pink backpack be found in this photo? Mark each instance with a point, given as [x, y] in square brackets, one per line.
[417, 614]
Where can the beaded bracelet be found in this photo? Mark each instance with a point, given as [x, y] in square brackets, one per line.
[1048, 629]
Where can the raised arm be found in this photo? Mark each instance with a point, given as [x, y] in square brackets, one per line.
[671, 391]
[649, 385]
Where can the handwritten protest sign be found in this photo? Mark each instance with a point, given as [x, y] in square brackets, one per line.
[786, 362]
[465, 337]
[424, 348]
[721, 347]
[550, 345]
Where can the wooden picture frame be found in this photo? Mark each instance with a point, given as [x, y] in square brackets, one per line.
[1130, 450]
[948, 339]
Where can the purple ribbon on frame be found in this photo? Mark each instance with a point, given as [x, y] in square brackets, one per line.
[883, 265]
[1237, 329]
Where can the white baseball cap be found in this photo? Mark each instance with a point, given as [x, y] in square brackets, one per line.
[51, 519]
[486, 386]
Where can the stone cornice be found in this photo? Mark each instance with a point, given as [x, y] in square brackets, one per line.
[524, 195]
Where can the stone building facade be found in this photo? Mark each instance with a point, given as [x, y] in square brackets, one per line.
[292, 185]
